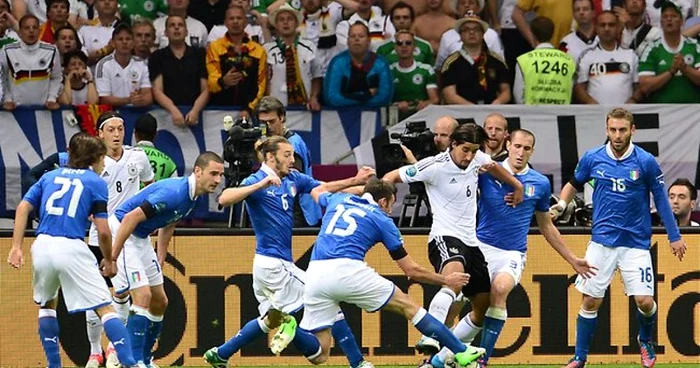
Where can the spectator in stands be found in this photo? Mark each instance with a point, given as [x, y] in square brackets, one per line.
[607, 73]
[380, 27]
[545, 75]
[653, 13]
[97, 36]
[179, 74]
[121, 78]
[209, 12]
[584, 37]
[451, 41]
[144, 38]
[683, 197]
[256, 28]
[57, 14]
[357, 76]
[38, 8]
[237, 66]
[558, 12]
[31, 69]
[473, 75]
[668, 67]
[294, 71]
[637, 33]
[131, 10]
[415, 85]
[78, 83]
[145, 131]
[85, 12]
[67, 40]
[196, 31]
[434, 23]
[402, 17]
[514, 44]
[7, 23]
[496, 126]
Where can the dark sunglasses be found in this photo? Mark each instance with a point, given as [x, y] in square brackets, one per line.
[404, 43]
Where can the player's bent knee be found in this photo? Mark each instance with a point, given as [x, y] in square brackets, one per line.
[644, 302]
[141, 296]
[590, 303]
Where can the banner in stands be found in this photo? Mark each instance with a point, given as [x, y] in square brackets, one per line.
[209, 286]
[30, 135]
[565, 133]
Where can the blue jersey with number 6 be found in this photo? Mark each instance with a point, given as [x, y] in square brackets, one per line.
[351, 226]
[272, 211]
[65, 199]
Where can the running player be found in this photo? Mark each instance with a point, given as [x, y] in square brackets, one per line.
[66, 198]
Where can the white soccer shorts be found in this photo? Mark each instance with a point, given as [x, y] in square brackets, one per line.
[277, 284]
[68, 264]
[137, 265]
[329, 282]
[499, 260]
[634, 264]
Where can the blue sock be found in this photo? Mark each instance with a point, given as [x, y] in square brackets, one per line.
[116, 333]
[586, 323]
[493, 324]
[137, 326]
[252, 330]
[431, 327]
[646, 324]
[155, 326]
[346, 340]
[307, 343]
[48, 333]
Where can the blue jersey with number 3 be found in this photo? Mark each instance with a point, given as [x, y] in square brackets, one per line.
[351, 226]
[65, 199]
[272, 211]
[621, 216]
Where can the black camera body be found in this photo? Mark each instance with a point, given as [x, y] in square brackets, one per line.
[417, 138]
[239, 150]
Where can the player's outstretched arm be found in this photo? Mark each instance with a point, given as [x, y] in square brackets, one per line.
[393, 177]
[164, 236]
[129, 223]
[553, 237]
[231, 196]
[419, 273]
[15, 258]
[363, 175]
[498, 172]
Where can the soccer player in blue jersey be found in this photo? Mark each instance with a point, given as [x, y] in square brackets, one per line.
[278, 283]
[159, 206]
[624, 175]
[351, 226]
[502, 237]
[66, 198]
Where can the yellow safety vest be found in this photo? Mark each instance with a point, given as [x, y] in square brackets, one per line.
[548, 75]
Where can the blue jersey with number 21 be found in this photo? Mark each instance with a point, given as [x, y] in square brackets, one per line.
[351, 226]
[65, 199]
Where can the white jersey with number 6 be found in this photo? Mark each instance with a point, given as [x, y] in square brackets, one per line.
[451, 192]
[123, 177]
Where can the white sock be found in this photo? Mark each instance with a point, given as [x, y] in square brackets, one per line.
[441, 303]
[94, 331]
[466, 330]
[121, 306]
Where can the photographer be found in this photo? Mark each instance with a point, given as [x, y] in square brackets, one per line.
[271, 112]
[444, 127]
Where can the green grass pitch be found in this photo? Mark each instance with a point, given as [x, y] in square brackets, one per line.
[677, 365]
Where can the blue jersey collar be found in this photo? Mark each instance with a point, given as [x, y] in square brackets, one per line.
[506, 166]
[192, 185]
[628, 153]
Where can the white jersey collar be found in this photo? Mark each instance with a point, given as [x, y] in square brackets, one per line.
[506, 166]
[368, 197]
[609, 151]
[192, 185]
[268, 170]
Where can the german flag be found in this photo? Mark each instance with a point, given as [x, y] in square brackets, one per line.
[87, 117]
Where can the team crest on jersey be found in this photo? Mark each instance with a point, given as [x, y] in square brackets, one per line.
[416, 51]
[634, 174]
[418, 79]
[529, 190]
[624, 68]
[411, 171]
[689, 59]
[132, 170]
[293, 190]
[148, 5]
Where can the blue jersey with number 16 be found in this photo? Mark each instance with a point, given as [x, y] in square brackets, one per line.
[65, 199]
[351, 226]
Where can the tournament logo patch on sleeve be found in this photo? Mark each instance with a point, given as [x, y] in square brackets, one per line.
[411, 171]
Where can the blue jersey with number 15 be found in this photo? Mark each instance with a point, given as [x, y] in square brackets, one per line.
[351, 226]
[65, 199]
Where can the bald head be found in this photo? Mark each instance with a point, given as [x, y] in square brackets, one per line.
[496, 127]
[444, 127]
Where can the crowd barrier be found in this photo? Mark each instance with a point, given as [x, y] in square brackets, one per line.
[209, 285]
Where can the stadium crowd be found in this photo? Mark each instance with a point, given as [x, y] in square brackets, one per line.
[342, 53]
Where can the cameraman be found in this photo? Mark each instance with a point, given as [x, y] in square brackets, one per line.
[444, 127]
[271, 112]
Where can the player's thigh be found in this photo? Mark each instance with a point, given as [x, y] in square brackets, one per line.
[132, 273]
[499, 261]
[149, 259]
[45, 276]
[637, 271]
[446, 251]
[477, 268]
[365, 288]
[320, 305]
[605, 258]
[401, 303]
[81, 282]
[277, 284]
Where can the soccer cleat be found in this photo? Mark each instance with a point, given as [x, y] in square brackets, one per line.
[646, 349]
[575, 363]
[212, 357]
[428, 346]
[94, 361]
[426, 363]
[465, 358]
[365, 364]
[284, 335]
[112, 360]
[481, 363]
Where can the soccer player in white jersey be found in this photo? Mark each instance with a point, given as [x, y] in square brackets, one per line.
[451, 180]
[125, 168]
[66, 198]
